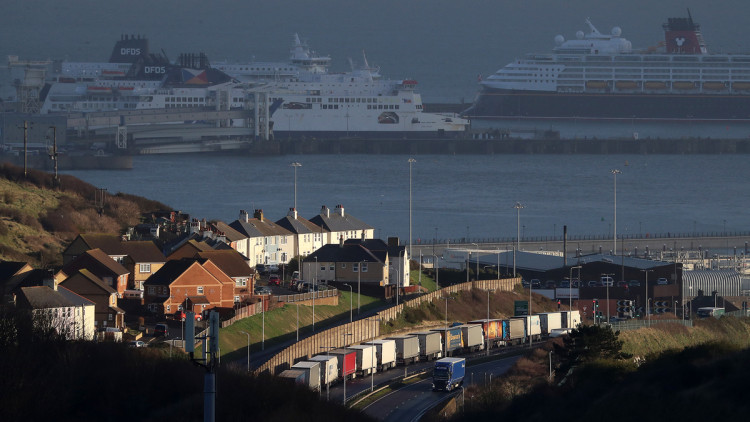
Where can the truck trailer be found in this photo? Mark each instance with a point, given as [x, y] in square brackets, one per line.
[472, 337]
[407, 348]
[448, 374]
[550, 321]
[493, 331]
[533, 326]
[452, 339]
[347, 360]
[312, 370]
[571, 319]
[430, 345]
[513, 331]
[385, 353]
[329, 368]
[366, 359]
[295, 376]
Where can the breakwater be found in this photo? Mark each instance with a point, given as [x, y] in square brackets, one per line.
[456, 146]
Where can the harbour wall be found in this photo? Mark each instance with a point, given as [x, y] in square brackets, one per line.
[502, 146]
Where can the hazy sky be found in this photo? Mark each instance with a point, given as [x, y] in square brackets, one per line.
[444, 44]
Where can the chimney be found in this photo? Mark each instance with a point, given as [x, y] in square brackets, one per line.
[341, 241]
[292, 213]
[393, 241]
[259, 215]
[325, 212]
[49, 281]
[340, 210]
[244, 216]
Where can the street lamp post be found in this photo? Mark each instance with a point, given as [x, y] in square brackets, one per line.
[437, 273]
[399, 275]
[609, 277]
[477, 246]
[445, 339]
[297, 321]
[411, 161]
[295, 165]
[248, 350]
[487, 334]
[351, 295]
[315, 284]
[646, 301]
[615, 172]
[518, 207]
[372, 371]
[344, 336]
[570, 294]
[359, 285]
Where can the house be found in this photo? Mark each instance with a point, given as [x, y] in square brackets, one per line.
[32, 277]
[86, 284]
[142, 258]
[102, 266]
[266, 242]
[339, 225]
[189, 249]
[398, 257]
[347, 263]
[308, 237]
[111, 244]
[71, 315]
[189, 284]
[9, 269]
[234, 265]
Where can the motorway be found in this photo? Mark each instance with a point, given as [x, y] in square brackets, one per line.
[409, 403]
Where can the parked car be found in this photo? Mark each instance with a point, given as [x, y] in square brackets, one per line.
[550, 284]
[161, 330]
[576, 284]
[273, 268]
[262, 269]
[262, 291]
[565, 284]
[622, 283]
[524, 283]
[136, 343]
[274, 279]
[536, 283]
[607, 281]
[181, 315]
[634, 283]
[593, 283]
[662, 281]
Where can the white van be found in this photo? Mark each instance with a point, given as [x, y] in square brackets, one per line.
[607, 281]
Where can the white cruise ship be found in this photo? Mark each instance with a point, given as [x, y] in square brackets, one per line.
[600, 77]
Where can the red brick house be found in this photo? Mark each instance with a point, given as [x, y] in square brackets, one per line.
[191, 284]
[237, 267]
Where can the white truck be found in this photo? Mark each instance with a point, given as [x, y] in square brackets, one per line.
[385, 353]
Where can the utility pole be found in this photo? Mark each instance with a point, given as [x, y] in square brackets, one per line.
[53, 155]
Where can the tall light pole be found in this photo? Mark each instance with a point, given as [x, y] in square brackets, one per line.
[570, 294]
[351, 295]
[248, 350]
[609, 277]
[359, 285]
[297, 321]
[399, 273]
[646, 301]
[487, 334]
[372, 371]
[518, 207]
[295, 165]
[445, 339]
[615, 172]
[344, 335]
[411, 161]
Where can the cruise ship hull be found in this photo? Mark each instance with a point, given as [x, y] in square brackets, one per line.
[515, 104]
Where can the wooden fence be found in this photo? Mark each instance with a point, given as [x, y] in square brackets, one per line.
[366, 329]
[244, 312]
[301, 297]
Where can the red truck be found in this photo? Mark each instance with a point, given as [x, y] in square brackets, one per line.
[347, 362]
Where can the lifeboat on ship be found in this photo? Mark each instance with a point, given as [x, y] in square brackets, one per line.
[113, 73]
[655, 85]
[683, 85]
[596, 84]
[714, 86]
[626, 85]
[98, 90]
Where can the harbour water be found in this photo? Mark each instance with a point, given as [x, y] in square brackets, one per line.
[455, 196]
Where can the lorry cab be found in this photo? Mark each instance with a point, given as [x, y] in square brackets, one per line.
[448, 373]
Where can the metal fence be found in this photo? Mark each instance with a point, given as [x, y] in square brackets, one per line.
[367, 329]
[636, 324]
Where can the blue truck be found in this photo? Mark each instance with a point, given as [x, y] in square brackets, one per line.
[448, 373]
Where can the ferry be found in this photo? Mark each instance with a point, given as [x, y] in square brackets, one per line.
[600, 77]
[306, 100]
[136, 79]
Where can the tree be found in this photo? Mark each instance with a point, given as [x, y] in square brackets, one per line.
[590, 342]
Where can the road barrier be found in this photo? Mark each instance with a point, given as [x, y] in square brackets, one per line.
[367, 329]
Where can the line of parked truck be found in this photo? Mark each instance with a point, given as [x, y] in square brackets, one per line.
[384, 354]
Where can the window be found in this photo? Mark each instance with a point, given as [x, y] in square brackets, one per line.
[168, 308]
[343, 265]
[322, 267]
[200, 290]
[364, 267]
[236, 299]
[355, 267]
[332, 267]
[144, 268]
